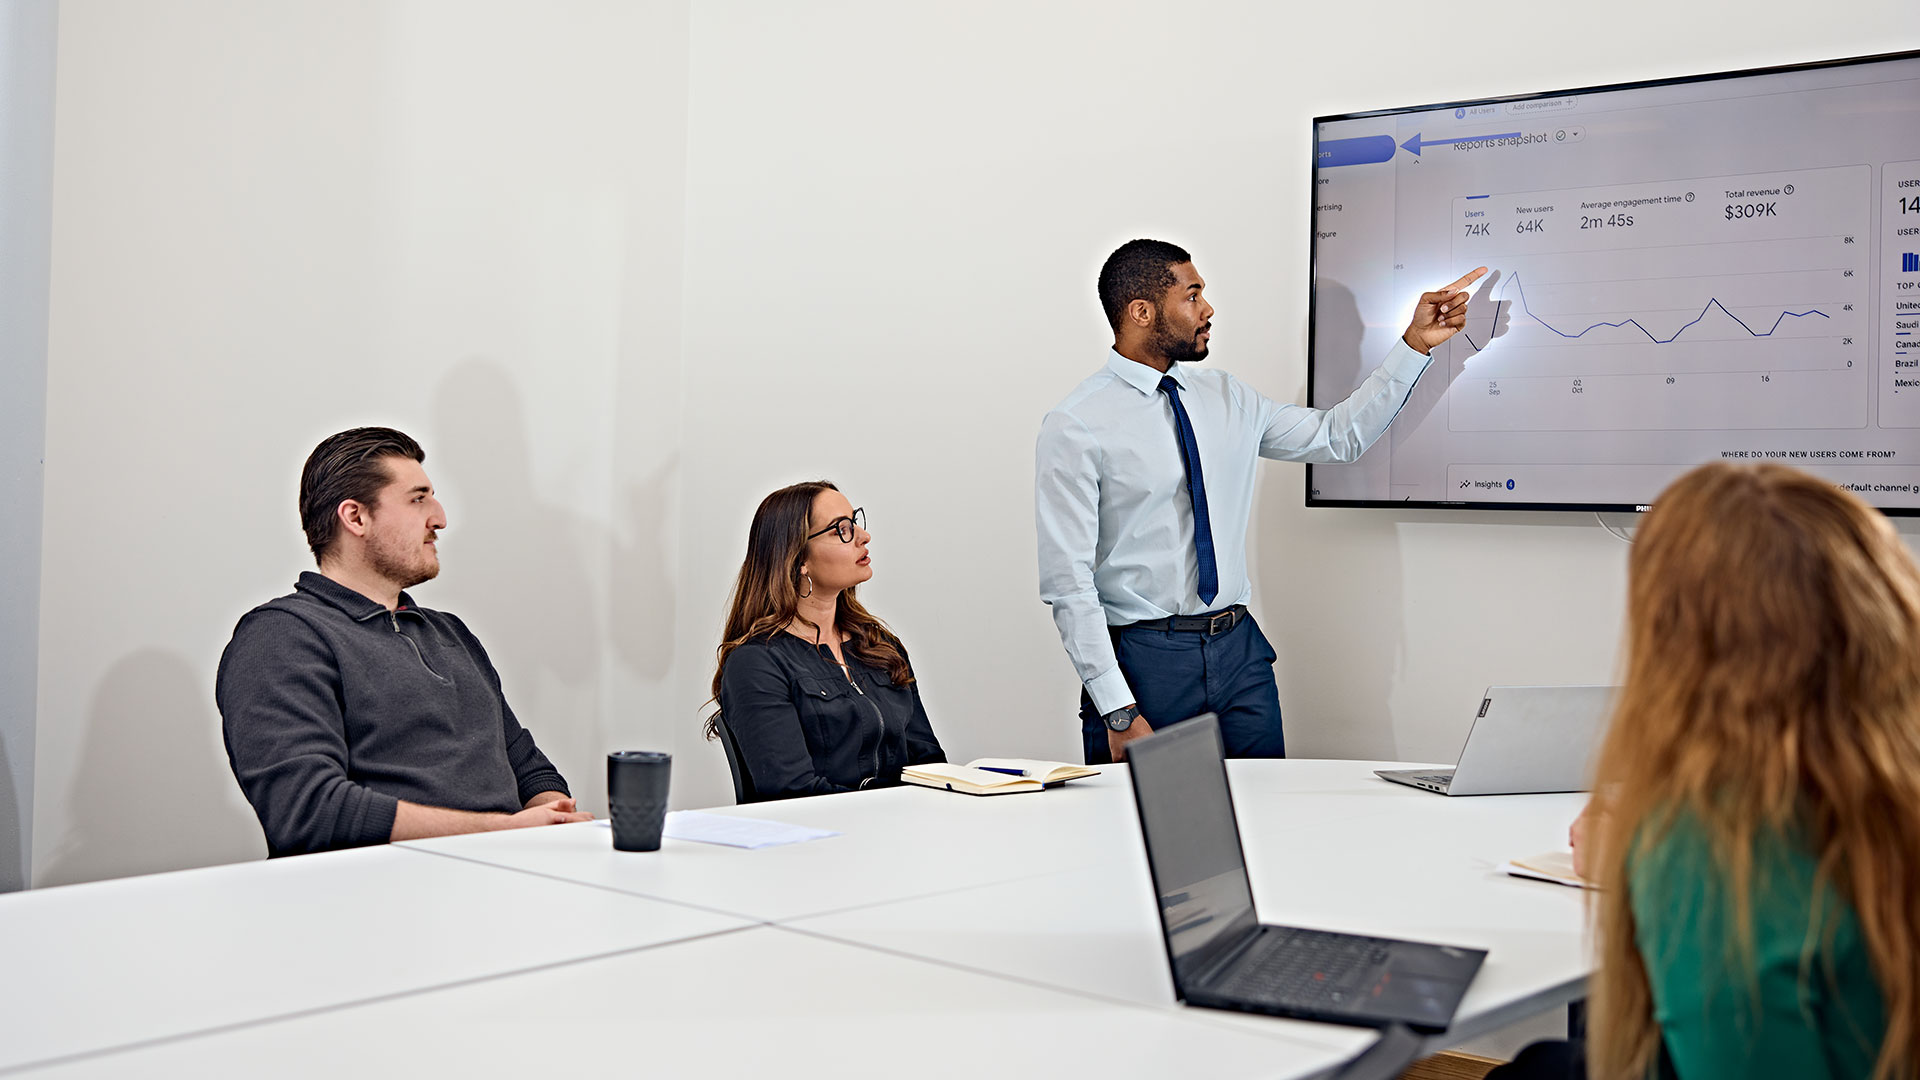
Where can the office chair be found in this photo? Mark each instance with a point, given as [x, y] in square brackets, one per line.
[742, 779]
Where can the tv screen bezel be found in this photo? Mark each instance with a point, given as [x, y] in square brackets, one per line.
[1313, 266]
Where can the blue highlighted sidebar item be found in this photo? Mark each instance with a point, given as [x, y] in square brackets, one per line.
[1365, 150]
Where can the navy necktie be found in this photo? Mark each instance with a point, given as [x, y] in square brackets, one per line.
[1197, 490]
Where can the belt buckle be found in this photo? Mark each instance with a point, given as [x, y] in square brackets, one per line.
[1213, 622]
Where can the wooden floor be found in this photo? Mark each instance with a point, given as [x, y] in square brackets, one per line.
[1450, 1065]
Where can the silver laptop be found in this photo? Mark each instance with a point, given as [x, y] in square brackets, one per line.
[1526, 740]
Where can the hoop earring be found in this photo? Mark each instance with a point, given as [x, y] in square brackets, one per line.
[808, 578]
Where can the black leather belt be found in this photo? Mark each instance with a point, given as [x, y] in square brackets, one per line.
[1218, 622]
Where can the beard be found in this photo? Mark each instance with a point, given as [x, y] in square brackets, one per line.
[406, 565]
[1178, 349]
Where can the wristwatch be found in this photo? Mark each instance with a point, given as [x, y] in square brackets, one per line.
[1122, 719]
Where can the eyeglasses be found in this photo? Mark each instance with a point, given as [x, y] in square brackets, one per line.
[845, 526]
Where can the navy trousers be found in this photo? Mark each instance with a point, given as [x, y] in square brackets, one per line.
[1177, 675]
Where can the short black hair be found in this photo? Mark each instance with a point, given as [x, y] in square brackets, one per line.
[350, 465]
[1138, 270]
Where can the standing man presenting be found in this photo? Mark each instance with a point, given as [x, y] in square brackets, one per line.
[1143, 487]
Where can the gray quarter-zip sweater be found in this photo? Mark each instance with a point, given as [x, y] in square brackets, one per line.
[334, 708]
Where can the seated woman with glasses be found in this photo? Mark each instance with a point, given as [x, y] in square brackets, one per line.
[815, 692]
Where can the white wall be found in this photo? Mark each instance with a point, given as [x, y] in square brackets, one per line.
[625, 268]
[27, 36]
[895, 216]
[276, 221]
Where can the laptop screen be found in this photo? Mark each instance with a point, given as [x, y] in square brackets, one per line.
[1193, 844]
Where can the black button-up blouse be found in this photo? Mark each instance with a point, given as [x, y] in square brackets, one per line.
[804, 728]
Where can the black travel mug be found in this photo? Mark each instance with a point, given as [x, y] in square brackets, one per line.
[637, 795]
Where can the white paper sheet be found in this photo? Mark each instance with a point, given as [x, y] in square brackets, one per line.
[750, 833]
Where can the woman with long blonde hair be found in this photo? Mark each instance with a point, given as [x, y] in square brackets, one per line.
[1757, 837]
[815, 693]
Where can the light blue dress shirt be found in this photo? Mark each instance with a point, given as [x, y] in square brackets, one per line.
[1110, 498]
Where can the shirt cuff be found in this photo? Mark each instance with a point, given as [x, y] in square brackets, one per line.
[542, 785]
[1404, 363]
[376, 814]
[1110, 691]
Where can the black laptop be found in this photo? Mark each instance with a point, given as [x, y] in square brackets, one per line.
[1223, 957]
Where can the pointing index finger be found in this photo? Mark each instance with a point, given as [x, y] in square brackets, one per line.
[1471, 277]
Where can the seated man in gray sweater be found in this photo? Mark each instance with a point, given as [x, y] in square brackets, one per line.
[353, 716]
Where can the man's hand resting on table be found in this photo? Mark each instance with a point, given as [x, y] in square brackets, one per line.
[412, 821]
[546, 808]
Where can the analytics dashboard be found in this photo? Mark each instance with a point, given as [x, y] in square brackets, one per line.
[1718, 268]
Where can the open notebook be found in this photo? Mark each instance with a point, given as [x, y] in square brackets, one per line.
[1554, 866]
[995, 776]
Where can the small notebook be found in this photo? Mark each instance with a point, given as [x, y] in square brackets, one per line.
[1554, 866]
[995, 776]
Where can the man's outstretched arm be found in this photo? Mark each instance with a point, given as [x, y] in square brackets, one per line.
[412, 821]
[1345, 431]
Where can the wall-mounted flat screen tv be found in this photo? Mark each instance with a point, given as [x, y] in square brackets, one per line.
[1719, 267]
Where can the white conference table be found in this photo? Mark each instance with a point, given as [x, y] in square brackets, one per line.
[896, 843]
[939, 931]
[761, 1002]
[117, 963]
[1328, 845]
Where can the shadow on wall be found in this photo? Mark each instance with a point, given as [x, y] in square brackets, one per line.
[1340, 365]
[644, 597]
[153, 790]
[1338, 331]
[529, 557]
[1335, 683]
[13, 868]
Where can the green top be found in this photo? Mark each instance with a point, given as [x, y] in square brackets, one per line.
[1711, 1023]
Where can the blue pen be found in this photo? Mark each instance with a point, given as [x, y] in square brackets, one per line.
[1009, 772]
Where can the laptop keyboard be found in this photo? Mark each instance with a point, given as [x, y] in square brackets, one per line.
[1303, 967]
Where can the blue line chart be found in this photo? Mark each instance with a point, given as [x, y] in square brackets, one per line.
[1635, 323]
